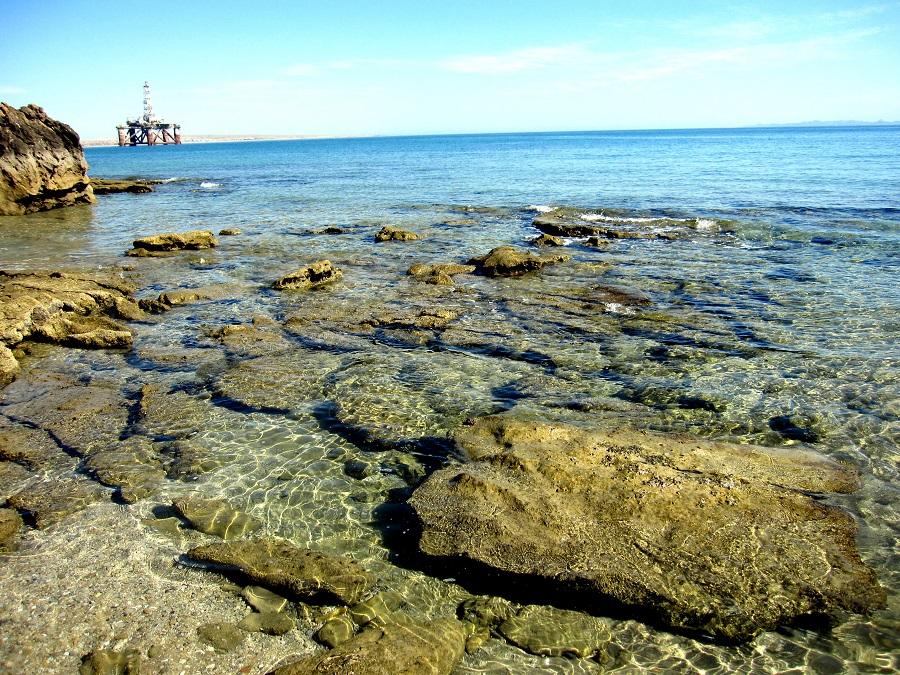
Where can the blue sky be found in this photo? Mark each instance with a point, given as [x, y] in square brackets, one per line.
[401, 67]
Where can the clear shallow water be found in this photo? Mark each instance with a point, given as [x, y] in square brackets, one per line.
[772, 318]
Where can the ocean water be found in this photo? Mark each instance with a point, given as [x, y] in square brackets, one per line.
[769, 316]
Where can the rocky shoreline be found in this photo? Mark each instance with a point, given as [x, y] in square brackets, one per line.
[436, 481]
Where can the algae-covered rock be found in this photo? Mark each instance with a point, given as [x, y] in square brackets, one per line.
[10, 525]
[270, 623]
[438, 273]
[486, 611]
[221, 636]
[403, 647]
[558, 227]
[378, 608]
[110, 186]
[46, 503]
[169, 299]
[175, 241]
[508, 261]
[216, 517]
[229, 232]
[429, 318]
[547, 631]
[319, 273]
[718, 538]
[110, 662]
[547, 240]
[285, 568]
[263, 600]
[390, 233]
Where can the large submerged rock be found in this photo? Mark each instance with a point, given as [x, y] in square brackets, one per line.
[62, 308]
[710, 537]
[285, 568]
[400, 647]
[42, 165]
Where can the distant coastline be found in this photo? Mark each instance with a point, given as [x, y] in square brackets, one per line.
[239, 138]
[215, 138]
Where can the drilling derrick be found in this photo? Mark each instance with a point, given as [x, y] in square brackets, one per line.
[148, 130]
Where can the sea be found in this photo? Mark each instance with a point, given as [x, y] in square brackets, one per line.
[768, 311]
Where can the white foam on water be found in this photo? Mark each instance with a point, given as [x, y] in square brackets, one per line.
[706, 224]
[542, 208]
[210, 184]
[592, 217]
[170, 180]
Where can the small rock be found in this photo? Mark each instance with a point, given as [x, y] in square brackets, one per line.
[332, 230]
[270, 623]
[358, 469]
[486, 611]
[389, 233]
[216, 517]
[477, 639]
[318, 274]
[263, 600]
[229, 232]
[169, 526]
[221, 636]
[335, 631]
[109, 662]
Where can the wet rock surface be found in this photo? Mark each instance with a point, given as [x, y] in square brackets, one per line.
[270, 623]
[285, 568]
[389, 233]
[133, 466]
[192, 240]
[703, 536]
[401, 646]
[69, 309]
[319, 273]
[508, 261]
[42, 165]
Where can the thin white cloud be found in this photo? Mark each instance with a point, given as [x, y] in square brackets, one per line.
[301, 70]
[512, 62]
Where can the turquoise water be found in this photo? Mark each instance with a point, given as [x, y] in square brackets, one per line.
[770, 317]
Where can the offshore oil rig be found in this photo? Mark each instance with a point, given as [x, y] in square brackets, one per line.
[147, 130]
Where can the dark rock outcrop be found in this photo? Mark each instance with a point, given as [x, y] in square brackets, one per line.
[10, 524]
[702, 536]
[297, 572]
[508, 261]
[61, 308]
[318, 274]
[42, 165]
[547, 240]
